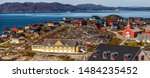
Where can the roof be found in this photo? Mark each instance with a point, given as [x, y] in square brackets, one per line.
[143, 36]
[65, 42]
[133, 30]
[18, 36]
[136, 29]
[122, 50]
[147, 52]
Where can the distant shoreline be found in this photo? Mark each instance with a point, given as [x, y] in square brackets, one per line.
[59, 7]
[83, 11]
[22, 19]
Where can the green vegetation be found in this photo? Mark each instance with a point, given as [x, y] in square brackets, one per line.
[91, 48]
[6, 53]
[31, 54]
[120, 32]
[147, 47]
[115, 41]
[130, 43]
[112, 34]
[7, 45]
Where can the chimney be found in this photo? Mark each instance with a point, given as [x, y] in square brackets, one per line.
[128, 26]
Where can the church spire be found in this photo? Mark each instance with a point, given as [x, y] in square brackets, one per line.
[128, 26]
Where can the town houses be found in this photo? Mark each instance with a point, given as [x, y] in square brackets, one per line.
[109, 38]
[58, 46]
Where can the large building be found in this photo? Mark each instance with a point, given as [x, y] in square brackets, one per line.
[57, 46]
[108, 52]
[131, 33]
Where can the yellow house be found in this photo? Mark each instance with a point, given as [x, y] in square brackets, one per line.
[17, 40]
[20, 30]
[55, 24]
[50, 24]
[57, 46]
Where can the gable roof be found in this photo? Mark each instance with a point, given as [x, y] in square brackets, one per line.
[58, 43]
[143, 37]
[122, 50]
[65, 42]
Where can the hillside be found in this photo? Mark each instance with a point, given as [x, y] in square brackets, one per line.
[55, 7]
[36, 7]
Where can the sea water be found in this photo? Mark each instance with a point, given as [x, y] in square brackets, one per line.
[21, 19]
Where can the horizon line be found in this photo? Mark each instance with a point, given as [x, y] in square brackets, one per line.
[74, 4]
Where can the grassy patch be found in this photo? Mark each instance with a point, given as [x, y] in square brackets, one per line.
[6, 53]
[115, 41]
[8, 45]
[120, 32]
[112, 34]
[30, 54]
[91, 48]
[133, 44]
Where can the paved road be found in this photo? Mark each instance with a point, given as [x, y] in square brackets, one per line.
[123, 42]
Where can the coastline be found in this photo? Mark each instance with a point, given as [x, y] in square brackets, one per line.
[22, 19]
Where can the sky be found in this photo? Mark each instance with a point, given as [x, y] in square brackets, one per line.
[113, 3]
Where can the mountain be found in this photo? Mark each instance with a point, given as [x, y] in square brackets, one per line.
[55, 7]
[93, 7]
[36, 7]
[90, 6]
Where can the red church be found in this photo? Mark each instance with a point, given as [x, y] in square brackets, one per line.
[130, 33]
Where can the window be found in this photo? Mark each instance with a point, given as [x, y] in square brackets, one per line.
[114, 55]
[106, 54]
[127, 57]
[127, 34]
[49, 44]
[136, 58]
[94, 55]
[142, 57]
[34, 46]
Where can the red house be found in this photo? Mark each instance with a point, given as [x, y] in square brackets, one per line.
[14, 29]
[130, 33]
[78, 21]
[110, 23]
[35, 27]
